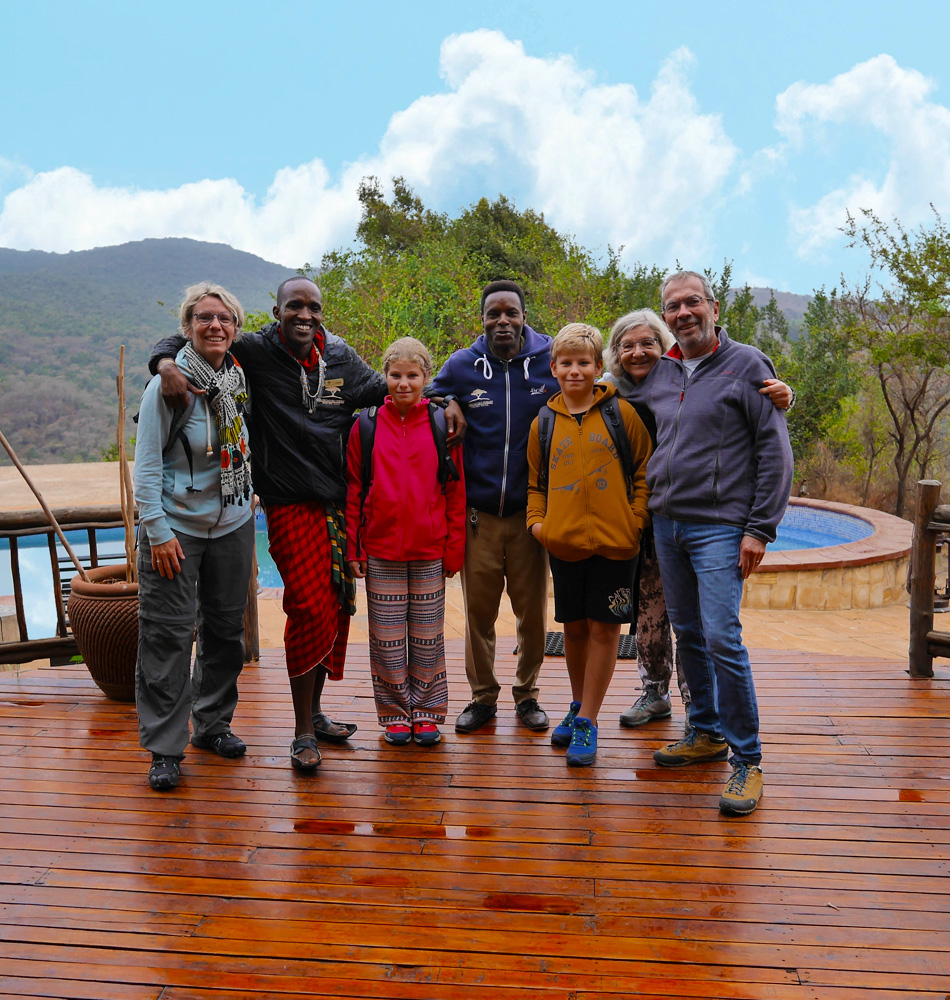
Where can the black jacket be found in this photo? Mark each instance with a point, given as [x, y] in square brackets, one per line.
[298, 456]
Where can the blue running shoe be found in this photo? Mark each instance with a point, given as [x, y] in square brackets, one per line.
[583, 748]
[561, 737]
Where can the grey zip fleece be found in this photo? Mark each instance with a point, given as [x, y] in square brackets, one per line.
[722, 454]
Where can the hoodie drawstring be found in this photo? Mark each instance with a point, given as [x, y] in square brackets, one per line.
[486, 366]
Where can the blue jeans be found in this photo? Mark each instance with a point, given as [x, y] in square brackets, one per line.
[702, 582]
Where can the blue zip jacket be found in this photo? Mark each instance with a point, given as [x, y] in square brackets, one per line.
[722, 452]
[500, 399]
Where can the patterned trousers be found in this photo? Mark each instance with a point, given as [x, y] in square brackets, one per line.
[407, 599]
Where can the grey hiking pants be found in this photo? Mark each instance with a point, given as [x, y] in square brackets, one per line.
[210, 591]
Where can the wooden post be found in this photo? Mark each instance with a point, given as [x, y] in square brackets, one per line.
[125, 480]
[923, 575]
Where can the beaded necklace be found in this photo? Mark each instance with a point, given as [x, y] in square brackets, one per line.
[310, 399]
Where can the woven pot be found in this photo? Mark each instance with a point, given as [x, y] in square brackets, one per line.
[104, 617]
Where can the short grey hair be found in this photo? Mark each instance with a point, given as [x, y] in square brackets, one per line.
[679, 276]
[195, 293]
[639, 317]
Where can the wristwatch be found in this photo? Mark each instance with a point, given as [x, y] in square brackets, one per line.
[450, 398]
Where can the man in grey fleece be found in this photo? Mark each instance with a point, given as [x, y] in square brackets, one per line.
[719, 481]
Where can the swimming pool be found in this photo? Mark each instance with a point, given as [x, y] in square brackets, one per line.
[863, 563]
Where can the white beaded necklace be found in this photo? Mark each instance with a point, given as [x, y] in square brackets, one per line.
[310, 399]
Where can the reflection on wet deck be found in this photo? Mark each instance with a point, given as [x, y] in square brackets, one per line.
[483, 866]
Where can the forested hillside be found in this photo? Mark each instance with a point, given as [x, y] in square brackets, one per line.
[63, 317]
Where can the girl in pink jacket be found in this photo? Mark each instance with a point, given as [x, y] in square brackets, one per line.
[405, 535]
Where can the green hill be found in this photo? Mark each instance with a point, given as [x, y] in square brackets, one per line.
[64, 316]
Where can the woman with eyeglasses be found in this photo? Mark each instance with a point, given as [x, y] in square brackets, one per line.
[196, 537]
[637, 342]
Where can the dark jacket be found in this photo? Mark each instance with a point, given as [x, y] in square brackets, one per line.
[722, 454]
[500, 399]
[298, 456]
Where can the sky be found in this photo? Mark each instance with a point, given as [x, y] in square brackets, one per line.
[682, 133]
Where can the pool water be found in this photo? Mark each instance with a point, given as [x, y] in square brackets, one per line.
[811, 528]
[801, 528]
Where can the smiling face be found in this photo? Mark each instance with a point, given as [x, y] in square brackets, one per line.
[694, 326]
[209, 336]
[299, 311]
[576, 372]
[503, 320]
[639, 349]
[405, 381]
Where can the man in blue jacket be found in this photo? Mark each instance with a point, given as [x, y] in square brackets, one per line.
[501, 382]
[719, 481]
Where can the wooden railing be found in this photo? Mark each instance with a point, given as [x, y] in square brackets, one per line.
[930, 521]
[17, 525]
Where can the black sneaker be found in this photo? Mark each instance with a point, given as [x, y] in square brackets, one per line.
[475, 715]
[532, 715]
[224, 744]
[164, 773]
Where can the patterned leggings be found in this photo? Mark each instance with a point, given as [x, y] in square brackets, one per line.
[655, 658]
[407, 598]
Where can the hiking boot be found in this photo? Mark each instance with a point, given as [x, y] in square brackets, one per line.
[474, 716]
[583, 748]
[646, 708]
[532, 715]
[743, 790]
[694, 748]
[561, 737]
[164, 773]
[224, 744]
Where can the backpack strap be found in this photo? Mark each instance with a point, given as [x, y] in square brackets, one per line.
[440, 434]
[618, 434]
[545, 431]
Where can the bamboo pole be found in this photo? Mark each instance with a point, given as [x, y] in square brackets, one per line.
[125, 479]
[49, 514]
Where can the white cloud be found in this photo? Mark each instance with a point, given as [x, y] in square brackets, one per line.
[599, 161]
[880, 95]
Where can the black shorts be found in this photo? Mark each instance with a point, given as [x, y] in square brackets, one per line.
[597, 588]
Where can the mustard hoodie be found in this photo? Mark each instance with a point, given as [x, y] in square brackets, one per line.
[585, 511]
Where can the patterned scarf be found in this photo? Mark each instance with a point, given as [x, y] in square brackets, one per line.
[227, 396]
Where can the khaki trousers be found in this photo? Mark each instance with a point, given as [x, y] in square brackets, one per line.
[502, 553]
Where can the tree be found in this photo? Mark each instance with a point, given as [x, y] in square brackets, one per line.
[902, 335]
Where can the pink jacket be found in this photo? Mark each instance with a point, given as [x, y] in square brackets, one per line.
[406, 516]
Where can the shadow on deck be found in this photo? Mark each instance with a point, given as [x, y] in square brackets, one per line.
[483, 867]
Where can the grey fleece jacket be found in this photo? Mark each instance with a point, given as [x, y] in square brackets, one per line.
[722, 454]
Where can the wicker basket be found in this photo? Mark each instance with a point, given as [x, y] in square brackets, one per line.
[104, 617]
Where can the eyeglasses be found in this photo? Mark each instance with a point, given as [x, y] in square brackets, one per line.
[206, 319]
[691, 302]
[647, 344]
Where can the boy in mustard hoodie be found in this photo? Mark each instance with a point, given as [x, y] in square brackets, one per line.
[588, 510]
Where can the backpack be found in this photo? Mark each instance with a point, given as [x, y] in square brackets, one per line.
[440, 433]
[618, 435]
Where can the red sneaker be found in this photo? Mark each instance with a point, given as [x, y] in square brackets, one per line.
[398, 734]
[426, 734]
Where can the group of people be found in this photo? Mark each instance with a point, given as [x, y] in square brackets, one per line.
[650, 492]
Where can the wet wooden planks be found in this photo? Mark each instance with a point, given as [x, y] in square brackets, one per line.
[483, 866]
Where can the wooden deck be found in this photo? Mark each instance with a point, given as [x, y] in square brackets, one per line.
[483, 867]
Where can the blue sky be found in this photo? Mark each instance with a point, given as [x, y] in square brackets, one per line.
[729, 131]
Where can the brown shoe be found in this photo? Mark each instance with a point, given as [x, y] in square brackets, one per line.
[474, 716]
[532, 715]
